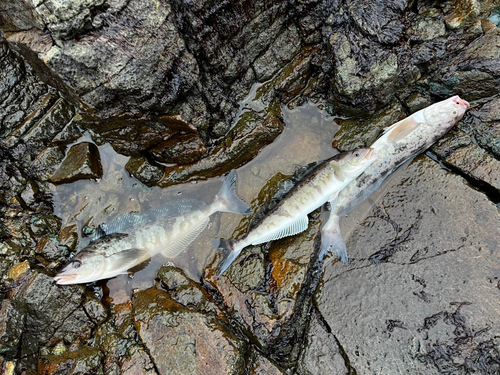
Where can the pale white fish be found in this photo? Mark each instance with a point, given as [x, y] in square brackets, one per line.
[398, 143]
[289, 217]
[132, 238]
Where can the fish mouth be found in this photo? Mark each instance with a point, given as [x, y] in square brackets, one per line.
[65, 279]
[461, 102]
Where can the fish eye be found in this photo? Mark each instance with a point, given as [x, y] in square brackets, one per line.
[77, 264]
[356, 154]
[454, 113]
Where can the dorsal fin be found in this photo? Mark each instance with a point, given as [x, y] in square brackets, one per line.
[401, 129]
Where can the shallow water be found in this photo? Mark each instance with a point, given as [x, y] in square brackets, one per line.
[307, 137]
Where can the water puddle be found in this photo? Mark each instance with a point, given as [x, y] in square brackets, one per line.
[307, 137]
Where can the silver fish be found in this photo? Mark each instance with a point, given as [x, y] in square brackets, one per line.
[133, 238]
[398, 143]
[289, 217]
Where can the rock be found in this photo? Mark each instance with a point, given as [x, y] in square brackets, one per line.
[422, 263]
[472, 147]
[185, 291]
[135, 60]
[145, 171]
[81, 162]
[283, 49]
[53, 316]
[241, 145]
[47, 162]
[322, 353]
[473, 72]
[82, 361]
[182, 341]
[463, 14]
[182, 149]
[261, 365]
[362, 132]
[11, 329]
[425, 29]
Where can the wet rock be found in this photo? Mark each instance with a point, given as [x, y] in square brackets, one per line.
[81, 162]
[82, 361]
[133, 60]
[47, 162]
[472, 148]
[473, 73]
[11, 329]
[49, 251]
[183, 149]
[185, 291]
[322, 353]
[145, 171]
[261, 365]
[422, 263]
[184, 341]
[427, 28]
[19, 15]
[118, 340]
[278, 55]
[379, 21]
[53, 316]
[463, 13]
[362, 132]
[241, 145]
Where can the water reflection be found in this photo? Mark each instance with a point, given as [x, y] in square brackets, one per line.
[308, 136]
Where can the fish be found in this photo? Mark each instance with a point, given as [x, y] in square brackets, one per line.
[289, 216]
[399, 143]
[133, 238]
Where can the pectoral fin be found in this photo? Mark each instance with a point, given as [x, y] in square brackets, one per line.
[297, 226]
[331, 239]
[401, 129]
[126, 259]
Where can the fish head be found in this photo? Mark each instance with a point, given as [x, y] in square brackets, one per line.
[87, 266]
[446, 113]
[354, 163]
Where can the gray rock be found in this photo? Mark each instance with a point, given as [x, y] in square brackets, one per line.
[11, 329]
[183, 341]
[473, 73]
[321, 353]
[416, 295]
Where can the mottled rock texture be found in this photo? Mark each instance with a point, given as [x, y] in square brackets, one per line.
[191, 90]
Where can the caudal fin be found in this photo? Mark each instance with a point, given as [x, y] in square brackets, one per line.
[331, 239]
[227, 198]
[226, 247]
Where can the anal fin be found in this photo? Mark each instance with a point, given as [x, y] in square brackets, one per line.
[297, 226]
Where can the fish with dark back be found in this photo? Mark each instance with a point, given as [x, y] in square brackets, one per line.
[289, 217]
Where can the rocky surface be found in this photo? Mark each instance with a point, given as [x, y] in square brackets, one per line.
[426, 289]
[189, 91]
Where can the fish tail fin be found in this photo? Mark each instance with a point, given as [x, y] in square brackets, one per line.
[229, 254]
[228, 199]
[331, 239]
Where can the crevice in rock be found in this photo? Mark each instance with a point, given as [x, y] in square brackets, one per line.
[491, 193]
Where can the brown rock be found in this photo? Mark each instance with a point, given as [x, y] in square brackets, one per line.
[81, 162]
[182, 149]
